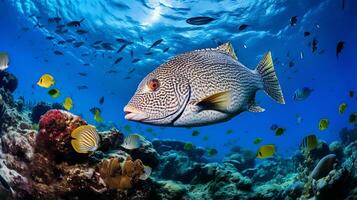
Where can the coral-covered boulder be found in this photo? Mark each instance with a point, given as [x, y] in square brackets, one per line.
[54, 135]
[348, 135]
[146, 153]
[242, 159]
[8, 81]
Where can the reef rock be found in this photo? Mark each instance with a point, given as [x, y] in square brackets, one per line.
[324, 166]
[54, 135]
[241, 159]
[348, 135]
[8, 81]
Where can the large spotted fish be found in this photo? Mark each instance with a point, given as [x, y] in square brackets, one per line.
[202, 87]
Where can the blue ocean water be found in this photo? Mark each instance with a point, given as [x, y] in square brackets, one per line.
[24, 28]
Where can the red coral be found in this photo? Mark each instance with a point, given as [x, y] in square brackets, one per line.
[55, 129]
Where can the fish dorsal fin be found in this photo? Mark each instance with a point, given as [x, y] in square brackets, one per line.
[228, 48]
[218, 101]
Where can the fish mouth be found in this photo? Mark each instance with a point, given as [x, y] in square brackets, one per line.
[134, 114]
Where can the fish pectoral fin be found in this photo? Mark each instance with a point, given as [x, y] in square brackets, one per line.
[255, 108]
[218, 101]
[228, 48]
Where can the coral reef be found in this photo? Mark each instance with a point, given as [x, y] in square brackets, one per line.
[41, 108]
[8, 81]
[41, 164]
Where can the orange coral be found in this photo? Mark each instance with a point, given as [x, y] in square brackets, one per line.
[121, 175]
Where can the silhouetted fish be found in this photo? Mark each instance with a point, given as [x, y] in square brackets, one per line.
[166, 49]
[306, 33]
[149, 53]
[50, 37]
[78, 44]
[131, 53]
[121, 48]
[157, 42]
[97, 42]
[107, 46]
[59, 53]
[112, 71]
[101, 100]
[61, 42]
[124, 41]
[199, 20]
[75, 23]
[118, 60]
[293, 20]
[135, 60]
[70, 40]
[82, 73]
[54, 20]
[339, 48]
[242, 27]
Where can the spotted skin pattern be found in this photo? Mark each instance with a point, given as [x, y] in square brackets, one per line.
[189, 78]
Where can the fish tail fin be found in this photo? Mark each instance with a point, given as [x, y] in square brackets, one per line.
[270, 81]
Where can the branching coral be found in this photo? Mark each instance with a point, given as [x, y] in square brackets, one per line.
[121, 175]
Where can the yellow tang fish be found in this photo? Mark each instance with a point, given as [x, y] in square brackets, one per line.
[85, 139]
[68, 103]
[46, 81]
[54, 93]
[266, 151]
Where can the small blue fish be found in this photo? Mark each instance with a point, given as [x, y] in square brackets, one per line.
[302, 93]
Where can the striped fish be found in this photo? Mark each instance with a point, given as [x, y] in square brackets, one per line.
[202, 87]
[4, 61]
[133, 141]
[309, 142]
[85, 139]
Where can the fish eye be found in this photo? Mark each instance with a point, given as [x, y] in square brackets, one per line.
[153, 84]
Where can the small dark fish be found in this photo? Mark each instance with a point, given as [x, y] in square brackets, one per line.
[82, 74]
[75, 23]
[142, 38]
[78, 44]
[107, 46]
[131, 71]
[86, 64]
[61, 42]
[121, 48]
[50, 38]
[97, 42]
[123, 41]
[199, 20]
[112, 71]
[118, 60]
[314, 45]
[157, 42]
[351, 93]
[59, 53]
[131, 53]
[302, 94]
[306, 33]
[54, 20]
[135, 60]
[127, 77]
[242, 27]
[84, 54]
[61, 31]
[82, 87]
[81, 31]
[25, 29]
[291, 64]
[149, 53]
[339, 48]
[166, 49]
[293, 20]
[70, 40]
[101, 100]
